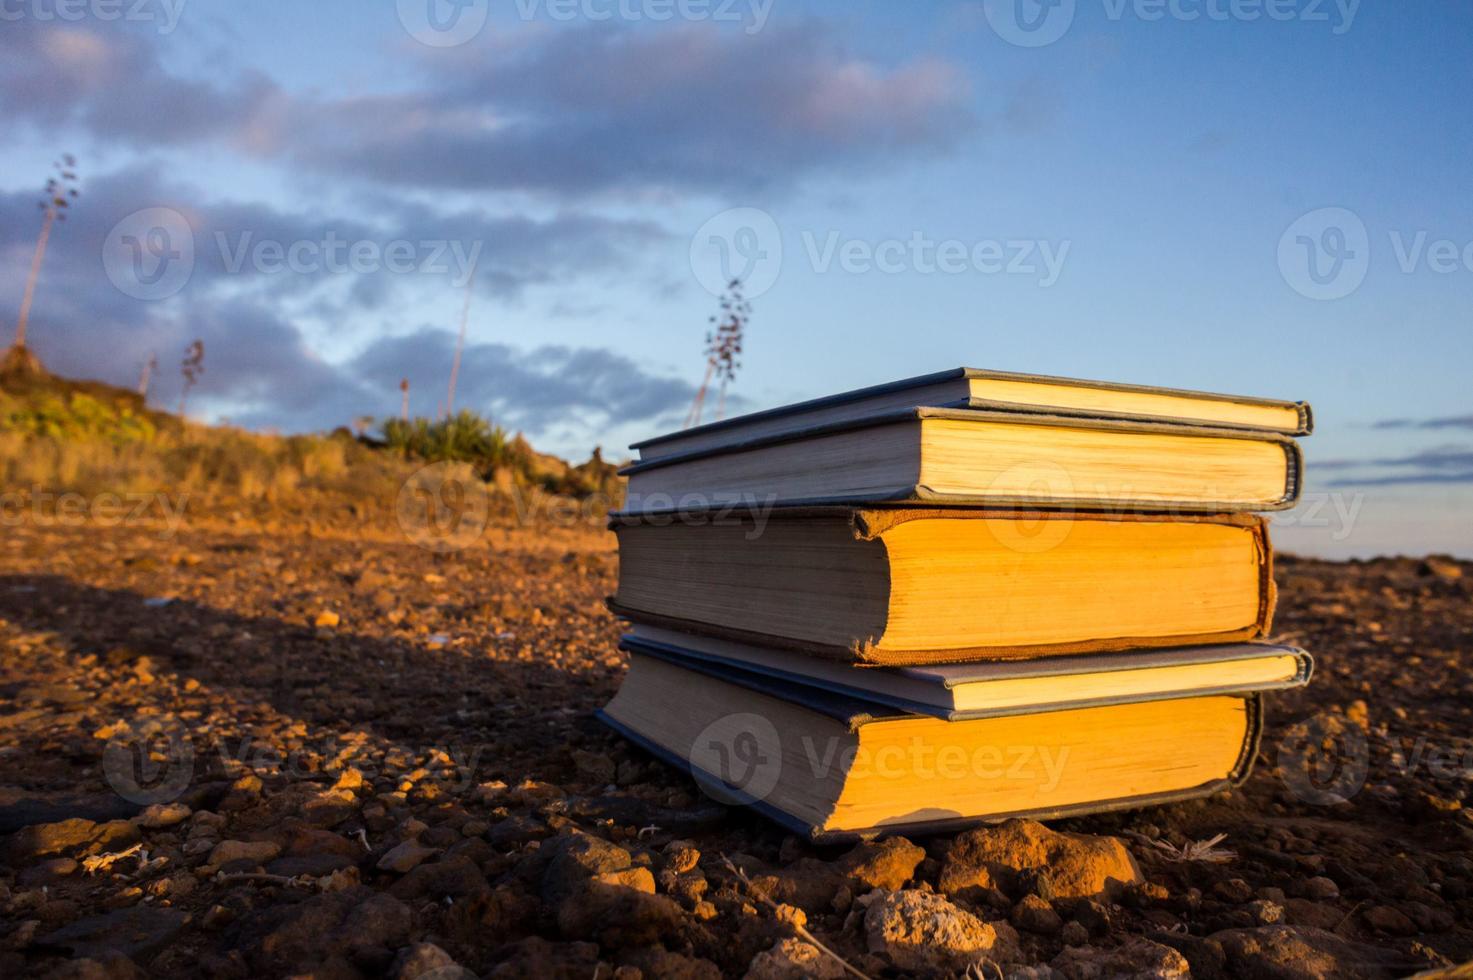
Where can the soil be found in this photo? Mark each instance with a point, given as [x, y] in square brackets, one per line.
[268, 755]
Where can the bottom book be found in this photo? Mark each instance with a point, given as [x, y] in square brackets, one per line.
[832, 767]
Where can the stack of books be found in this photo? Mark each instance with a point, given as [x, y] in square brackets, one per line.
[962, 597]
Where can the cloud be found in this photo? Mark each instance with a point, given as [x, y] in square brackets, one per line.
[1438, 465]
[568, 112]
[687, 108]
[1450, 422]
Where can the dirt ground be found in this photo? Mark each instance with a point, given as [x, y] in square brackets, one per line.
[368, 759]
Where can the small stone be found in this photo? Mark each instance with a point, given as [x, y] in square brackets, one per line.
[326, 619]
[1234, 891]
[1384, 918]
[1074, 934]
[159, 815]
[227, 851]
[1076, 865]
[923, 932]
[791, 916]
[424, 960]
[681, 856]
[594, 767]
[1266, 913]
[793, 959]
[886, 864]
[405, 857]
[1136, 958]
[1033, 914]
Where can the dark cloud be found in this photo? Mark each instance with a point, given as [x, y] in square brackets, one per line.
[1438, 465]
[1451, 422]
[566, 112]
[110, 82]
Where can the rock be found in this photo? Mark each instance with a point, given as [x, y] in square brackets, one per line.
[887, 864]
[594, 767]
[429, 961]
[1136, 959]
[617, 916]
[1384, 918]
[227, 851]
[405, 857]
[1321, 888]
[923, 932]
[640, 879]
[535, 958]
[326, 619]
[1205, 956]
[47, 872]
[1439, 567]
[1266, 913]
[574, 858]
[378, 920]
[70, 838]
[1074, 934]
[1075, 865]
[159, 815]
[681, 856]
[1290, 953]
[1033, 914]
[1234, 891]
[138, 932]
[793, 959]
[656, 963]
[456, 878]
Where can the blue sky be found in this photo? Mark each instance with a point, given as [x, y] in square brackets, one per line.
[1138, 199]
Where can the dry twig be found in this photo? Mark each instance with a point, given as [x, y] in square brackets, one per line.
[802, 932]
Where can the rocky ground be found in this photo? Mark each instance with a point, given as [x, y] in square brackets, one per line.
[250, 755]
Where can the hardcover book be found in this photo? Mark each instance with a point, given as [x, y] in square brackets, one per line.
[997, 391]
[961, 456]
[832, 767]
[986, 689]
[911, 586]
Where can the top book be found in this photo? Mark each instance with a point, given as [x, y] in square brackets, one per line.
[997, 391]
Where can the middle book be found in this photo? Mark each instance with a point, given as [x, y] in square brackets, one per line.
[911, 586]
